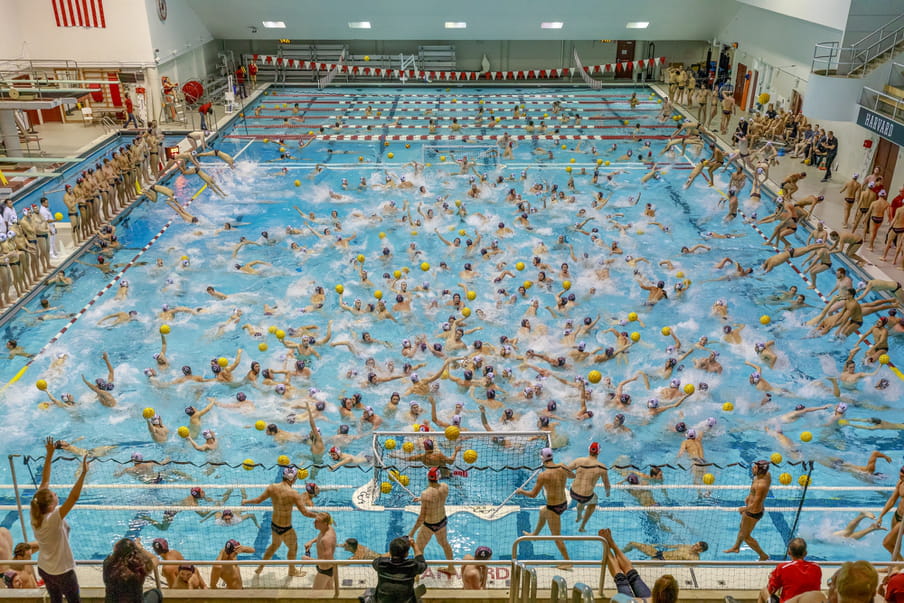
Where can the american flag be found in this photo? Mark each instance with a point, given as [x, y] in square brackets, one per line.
[79, 13]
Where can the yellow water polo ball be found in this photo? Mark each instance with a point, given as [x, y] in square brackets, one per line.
[470, 456]
[385, 487]
[679, 274]
[572, 160]
[632, 316]
[452, 432]
[606, 162]
[566, 285]
[389, 444]
[183, 431]
[689, 388]
[41, 384]
[458, 203]
[635, 336]
[44, 405]
[462, 232]
[360, 258]
[545, 115]
[298, 183]
[303, 473]
[804, 481]
[390, 155]
[283, 460]
[568, 169]
[361, 158]
[414, 233]
[280, 334]
[676, 117]
[884, 359]
[776, 458]
[408, 447]
[466, 311]
[58, 216]
[765, 319]
[564, 146]
[164, 329]
[260, 425]
[666, 331]
[403, 479]
[366, 57]
[248, 464]
[262, 346]
[222, 361]
[148, 412]
[385, 144]
[382, 235]
[378, 294]
[454, 100]
[407, 146]
[599, 162]
[594, 376]
[471, 295]
[442, 157]
[527, 284]
[425, 266]
[709, 479]
[271, 329]
[784, 479]
[397, 273]
[806, 436]
[728, 407]
[843, 422]
[340, 289]
[519, 266]
[282, 149]
[266, 140]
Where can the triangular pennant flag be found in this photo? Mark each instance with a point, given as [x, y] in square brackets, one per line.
[506, 74]
[571, 70]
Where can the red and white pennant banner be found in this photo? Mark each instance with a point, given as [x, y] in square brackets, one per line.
[459, 75]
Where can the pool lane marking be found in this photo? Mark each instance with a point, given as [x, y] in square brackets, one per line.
[108, 286]
[439, 137]
[244, 148]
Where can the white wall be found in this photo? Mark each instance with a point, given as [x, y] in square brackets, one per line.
[181, 33]
[829, 13]
[125, 40]
[10, 32]
[866, 16]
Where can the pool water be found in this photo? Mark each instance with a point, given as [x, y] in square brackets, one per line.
[269, 191]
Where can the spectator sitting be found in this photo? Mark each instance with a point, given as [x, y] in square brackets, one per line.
[125, 570]
[189, 578]
[855, 582]
[627, 580]
[665, 590]
[24, 551]
[893, 587]
[20, 579]
[395, 575]
[795, 577]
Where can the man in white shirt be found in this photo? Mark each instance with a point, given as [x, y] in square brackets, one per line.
[47, 216]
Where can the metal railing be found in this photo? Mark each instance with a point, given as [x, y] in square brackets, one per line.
[880, 102]
[830, 58]
[581, 593]
[527, 581]
[558, 590]
[516, 587]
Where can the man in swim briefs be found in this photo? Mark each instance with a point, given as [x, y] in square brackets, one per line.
[896, 497]
[753, 509]
[284, 498]
[552, 481]
[588, 471]
[432, 519]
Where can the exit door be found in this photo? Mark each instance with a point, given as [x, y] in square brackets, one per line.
[885, 159]
[624, 52]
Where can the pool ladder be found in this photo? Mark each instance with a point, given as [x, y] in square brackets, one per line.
[524, 579]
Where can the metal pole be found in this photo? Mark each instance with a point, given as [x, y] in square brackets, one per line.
[12, 469]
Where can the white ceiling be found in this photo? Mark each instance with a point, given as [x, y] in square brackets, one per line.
[486, 19]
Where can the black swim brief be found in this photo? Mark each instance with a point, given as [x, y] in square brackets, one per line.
[280, 530]
[755, 515]
[326, 572]
[436, 527]
[559, 508]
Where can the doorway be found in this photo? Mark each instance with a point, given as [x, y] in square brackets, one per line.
[624, 52]
[885, 159]
[740, 92]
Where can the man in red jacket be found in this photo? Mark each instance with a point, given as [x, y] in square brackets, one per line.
[794, 577]
[130, 112]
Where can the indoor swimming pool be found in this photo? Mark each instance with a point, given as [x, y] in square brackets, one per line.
[425, 228]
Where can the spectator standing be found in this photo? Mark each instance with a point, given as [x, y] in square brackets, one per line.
[897, 202]
[130, 113]
[793, 578]
[125, 571]
[56, 565]
[830, 146]
[395, 575]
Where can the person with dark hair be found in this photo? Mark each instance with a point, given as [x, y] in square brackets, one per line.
[170, 572]
[665, 590]
[792, 578]
[753, 509]
[229, 574]
[395, 574]
[125, 570]
[474, 577]
[56, 565]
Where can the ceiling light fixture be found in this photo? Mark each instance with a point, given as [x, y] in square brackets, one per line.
[552, 25]
[359, 24]
[274, 24]
[638, 24]
[456, 25]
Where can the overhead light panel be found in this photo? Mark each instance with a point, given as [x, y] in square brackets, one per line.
[456, 25]
[359, 24]
[638, 24]
[552, 25]
[274, 24]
